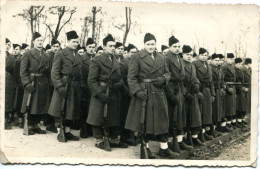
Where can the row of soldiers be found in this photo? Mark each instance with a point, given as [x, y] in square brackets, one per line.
[185, 95]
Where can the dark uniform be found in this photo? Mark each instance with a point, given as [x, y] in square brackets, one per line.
[247, 79]
[9, 85]
[35, 67]
[102, 71]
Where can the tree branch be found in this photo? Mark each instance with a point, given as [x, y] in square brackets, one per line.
[72, 12]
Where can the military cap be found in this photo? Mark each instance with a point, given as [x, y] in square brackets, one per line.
[24, 45]
[230, 55]
[172, 40]
[148, 36]
[202, 51]
[15, 45]
[108, 38]
[119, 44]
[130, 46]
[163, 47]
[36, 35]
[194, 54]
[238, 60]
[7, 40]
[214, 56]
[53, 42]
[248, 61]
[220, 56]
[90, 41]
[72, 35]
[99, 48]
[48, 46]
[186, 49]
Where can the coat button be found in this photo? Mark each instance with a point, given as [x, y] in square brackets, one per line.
[46, 67]
[153, 92]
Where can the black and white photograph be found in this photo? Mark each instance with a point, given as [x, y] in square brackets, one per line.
[129, 83]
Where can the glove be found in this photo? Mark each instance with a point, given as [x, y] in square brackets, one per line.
[212, 98]
[230, 91]
[188, 97]
[196, 88]
[200, 97]
[29, 87]
[223, 93]
[245, 89]
[174, 100]
[103, 97]
[159, 81]
[61, 91]
[141, 95]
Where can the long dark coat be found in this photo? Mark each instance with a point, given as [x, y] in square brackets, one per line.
[217, 111]
[204, 74]
[86, 92]
[192, 109]
[35, 61]
[9, 82]
[177, 116]
[126, 98]
[102, 69]
[143, 66]
[241, 105]
[247, 79]
[19, 86]
[66, 63]
[230, 99]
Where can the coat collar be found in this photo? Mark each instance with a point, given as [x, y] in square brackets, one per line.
[68, 53]
[113, 65]
[200, 67]
[173, 58]
[44, 59]
[35, 54]
[145, 56]
[187, 66]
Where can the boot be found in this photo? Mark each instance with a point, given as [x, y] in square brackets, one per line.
[237, 125]
[150, 154]
[70, 136]
[51, 128]
[131, 140]
[218, 133]
[213, 132]
[167, 153]
[189, 139]
[39, 130]
[232, 125]
[201, 137]
[83, 131]
[8, 126]
[21, 122]
[242, 124]
[174, 146]
[225, 129]
[184, 146]
[197, 142]
[31, 131]
[208, 137]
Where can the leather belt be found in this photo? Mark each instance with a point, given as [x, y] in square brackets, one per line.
[37, 74]
[147, 80]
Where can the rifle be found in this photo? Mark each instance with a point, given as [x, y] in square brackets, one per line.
[143, 150]
[61, 135]
[106, 122]
[28, 109]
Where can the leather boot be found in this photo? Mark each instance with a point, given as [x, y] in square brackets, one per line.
[174, 146]
[201, 137]
[168, 153]
[184, 146]
[213, 132]
[197, 142]
[83, 131]
[208, 137]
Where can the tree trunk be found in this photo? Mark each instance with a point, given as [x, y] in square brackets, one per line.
[94, 11]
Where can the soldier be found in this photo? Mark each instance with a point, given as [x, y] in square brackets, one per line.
[9, 84]
[174, 92]
[66, 73]
[34, 71]
[192, 97]
[80, 50]
[204, 74]
[48, 48]
[99, 51]
[148, 69]
[218, 82]
[86, 129]
[240, 92]
[25, 47]
[247, 79]
[164, 49]
[104, 71]
[230, 98]
[19, 86]
[50, 120]
[119, 51]
[131, 49]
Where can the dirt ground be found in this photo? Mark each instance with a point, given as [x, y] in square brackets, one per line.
[47, 146]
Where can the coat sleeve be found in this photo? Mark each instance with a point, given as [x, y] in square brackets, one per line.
[56, 70]
[167, 74]
[133, 73]
[24, 72]
[212, 89]
[168, 89]
[93, 75]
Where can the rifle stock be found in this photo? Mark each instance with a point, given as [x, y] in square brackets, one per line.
[143, 149]
[28, 108]
[106, 134]
[61, 135]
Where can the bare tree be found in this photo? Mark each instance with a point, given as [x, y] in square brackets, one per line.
[32, 16]
[61, 11]
[95, 10]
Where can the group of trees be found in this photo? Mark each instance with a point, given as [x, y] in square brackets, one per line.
[55, 18]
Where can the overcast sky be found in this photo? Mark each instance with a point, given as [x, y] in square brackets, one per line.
[216, 27]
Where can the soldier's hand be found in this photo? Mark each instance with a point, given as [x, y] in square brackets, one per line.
[141, 95]
[245, 89]
[61, 91]
[188, 97]
[29, 87]
[212, 98]
[159, 81]
[200, 97]
[103, 97]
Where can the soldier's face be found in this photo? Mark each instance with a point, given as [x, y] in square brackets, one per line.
[175, 48]
[110, 47]
[132, 51]
[17, 51]
[188, 56]
[203, 57]
[119, 51]
[150, 46]
[91, 48]
[239, 65]
[8, 46]
[55, 47]
[99, 52]
[230, 60]
[215, 62]
[165, 51]
[38, 43]
[81, 51]
[125, 54]
[73, 43]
